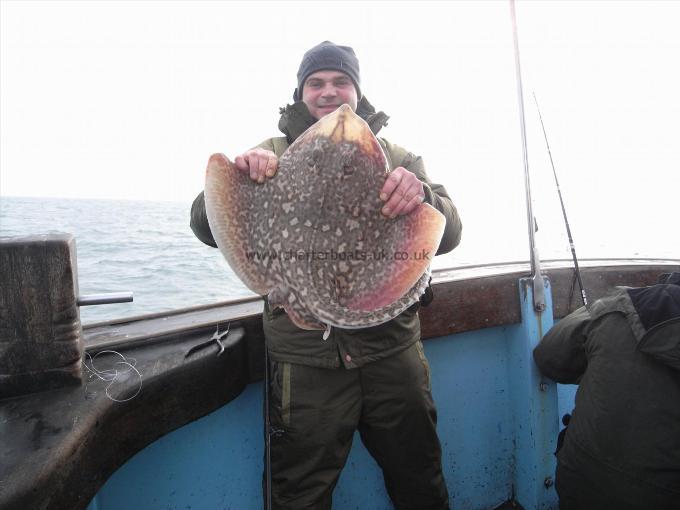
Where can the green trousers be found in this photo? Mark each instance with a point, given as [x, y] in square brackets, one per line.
[317, 410]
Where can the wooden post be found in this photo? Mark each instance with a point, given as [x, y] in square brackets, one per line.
[41, 338]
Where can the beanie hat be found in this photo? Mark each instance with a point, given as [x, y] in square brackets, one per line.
[331, 57]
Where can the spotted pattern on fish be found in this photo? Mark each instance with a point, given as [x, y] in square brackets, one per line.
[313, 237]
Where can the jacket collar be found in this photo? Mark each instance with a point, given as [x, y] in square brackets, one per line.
[296, 119]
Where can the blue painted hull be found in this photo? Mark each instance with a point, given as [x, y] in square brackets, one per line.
[495, 447]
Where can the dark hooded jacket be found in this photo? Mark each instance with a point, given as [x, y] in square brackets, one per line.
[622, 446]
[351, 348]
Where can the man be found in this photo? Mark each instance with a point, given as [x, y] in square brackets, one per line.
[375, 380]
[621, 449]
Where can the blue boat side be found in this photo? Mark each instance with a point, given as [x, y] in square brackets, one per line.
[498, 424]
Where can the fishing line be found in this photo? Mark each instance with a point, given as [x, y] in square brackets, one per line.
[113, 374]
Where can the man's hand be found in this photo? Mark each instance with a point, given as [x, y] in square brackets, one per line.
[258, 163]
[402, 192]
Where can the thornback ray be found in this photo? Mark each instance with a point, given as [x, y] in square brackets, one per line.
[313, 237]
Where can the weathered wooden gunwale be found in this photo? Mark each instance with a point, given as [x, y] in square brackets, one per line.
[57, 448]
[473, 298]
[466, 299]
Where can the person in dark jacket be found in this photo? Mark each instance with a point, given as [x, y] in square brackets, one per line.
[621, 449]
[375, 380]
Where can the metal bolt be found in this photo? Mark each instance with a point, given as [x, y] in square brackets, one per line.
[543, 386]
[548, 482]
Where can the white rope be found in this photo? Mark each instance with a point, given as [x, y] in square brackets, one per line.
[112, 375]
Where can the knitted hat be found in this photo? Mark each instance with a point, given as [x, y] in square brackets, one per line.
[331, 57]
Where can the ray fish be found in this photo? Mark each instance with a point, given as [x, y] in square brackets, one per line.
[313, 238]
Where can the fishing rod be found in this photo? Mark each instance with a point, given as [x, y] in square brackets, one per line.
[536, 276]
[269, 432]
[267, 435]
[584, 297]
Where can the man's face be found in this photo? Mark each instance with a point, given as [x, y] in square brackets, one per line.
[324, 91]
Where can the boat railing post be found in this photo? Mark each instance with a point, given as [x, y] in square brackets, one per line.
[534, 399]
[537, 277]
[41, 338]
[534, 406]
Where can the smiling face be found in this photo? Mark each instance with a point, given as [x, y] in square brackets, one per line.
[324, 91]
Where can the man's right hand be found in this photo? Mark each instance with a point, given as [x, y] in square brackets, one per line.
[258, 163]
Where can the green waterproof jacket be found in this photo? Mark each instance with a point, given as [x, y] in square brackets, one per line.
[624, 433]
[349, 347]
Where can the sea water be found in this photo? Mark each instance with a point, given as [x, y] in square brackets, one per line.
[143, 247]
[148, 248]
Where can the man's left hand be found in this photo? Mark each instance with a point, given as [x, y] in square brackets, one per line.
[402, 192]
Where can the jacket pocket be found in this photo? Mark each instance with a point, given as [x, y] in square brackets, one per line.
[426, 364]
[281, 391]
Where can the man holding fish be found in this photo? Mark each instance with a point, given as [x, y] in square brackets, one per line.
[326, 386]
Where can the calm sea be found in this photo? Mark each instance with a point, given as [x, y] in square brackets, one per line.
[143, 247]
[148, 248]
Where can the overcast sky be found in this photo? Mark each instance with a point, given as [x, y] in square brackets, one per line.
[127, 100]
